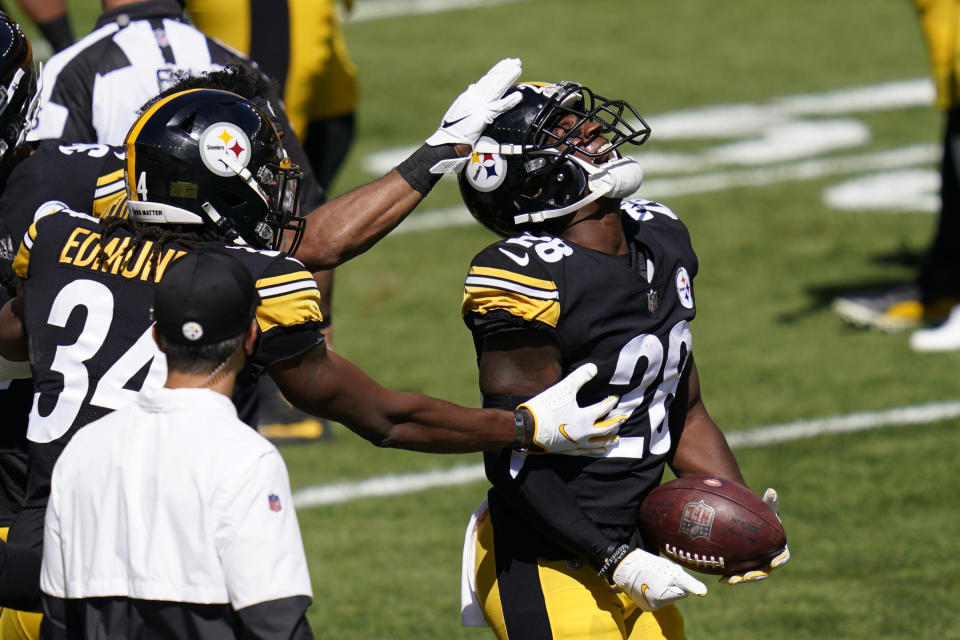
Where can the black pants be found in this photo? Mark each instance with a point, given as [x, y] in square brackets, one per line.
[940, 275]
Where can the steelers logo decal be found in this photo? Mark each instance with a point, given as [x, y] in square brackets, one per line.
[684, 288]
[224, 146]
[192, 331]
[486, 171]
[48, 207]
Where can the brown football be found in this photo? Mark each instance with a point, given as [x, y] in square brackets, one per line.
[711, 525]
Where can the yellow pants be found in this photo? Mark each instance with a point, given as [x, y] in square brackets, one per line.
[578, 604]
[940, 21]
[18, 625]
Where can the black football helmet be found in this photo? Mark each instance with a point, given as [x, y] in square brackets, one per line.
[524, 173]
[211, 157]
[19, 92]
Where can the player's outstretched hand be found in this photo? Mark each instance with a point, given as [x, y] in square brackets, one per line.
[652, 581]
[557, 424]
[477, 107]
[772, 500]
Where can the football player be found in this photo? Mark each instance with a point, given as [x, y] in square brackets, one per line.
[206, 167]
[43, 178]
[18, 86]
[582, 275]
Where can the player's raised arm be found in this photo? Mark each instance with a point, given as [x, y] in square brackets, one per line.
[350, 224]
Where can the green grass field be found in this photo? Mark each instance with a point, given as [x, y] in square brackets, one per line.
[871, 516]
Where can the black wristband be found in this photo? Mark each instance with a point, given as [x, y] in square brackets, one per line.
[57, 32]
[519, 431]
[416, 168]
[615, 556]
[524, 429]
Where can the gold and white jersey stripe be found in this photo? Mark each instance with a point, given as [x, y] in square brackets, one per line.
[288, 299]
[488, 289]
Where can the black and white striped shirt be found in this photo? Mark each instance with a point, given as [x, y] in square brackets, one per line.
[93, 90]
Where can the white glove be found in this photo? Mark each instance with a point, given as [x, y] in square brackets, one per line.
[652, 581]
[562, 426]
[772, 500]
[477, 107]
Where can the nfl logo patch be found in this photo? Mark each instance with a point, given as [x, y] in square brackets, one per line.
[653, 301]
[274, 502]
[697, 520]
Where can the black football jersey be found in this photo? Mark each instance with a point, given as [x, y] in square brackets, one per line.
[630, 315]
[82, 177]
[86, 177]
[87, 319]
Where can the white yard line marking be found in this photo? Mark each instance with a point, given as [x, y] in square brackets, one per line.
[379, 10]
[909, 156]
[785, 139]
[756, 437]
[663, 188]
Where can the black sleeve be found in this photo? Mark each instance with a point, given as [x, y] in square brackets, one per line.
[539, 495]
[289, 316]
[277, 619]
[19, 577]
[22, 194]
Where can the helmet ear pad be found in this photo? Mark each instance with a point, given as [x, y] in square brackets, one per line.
[529, 183]
[560, 183]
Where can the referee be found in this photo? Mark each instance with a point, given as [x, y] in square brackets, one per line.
[171, 518]
[93, 90]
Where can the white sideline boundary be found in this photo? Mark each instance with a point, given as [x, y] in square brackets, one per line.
[398, 484]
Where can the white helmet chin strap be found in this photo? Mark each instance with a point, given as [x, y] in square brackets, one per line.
[615, 179]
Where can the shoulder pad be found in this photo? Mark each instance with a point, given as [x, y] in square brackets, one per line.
[76, 214]
[92, 149]
[644, 210]
[269, 253]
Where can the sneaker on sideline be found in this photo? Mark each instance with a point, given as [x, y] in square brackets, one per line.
[895, 309]
[945, 337]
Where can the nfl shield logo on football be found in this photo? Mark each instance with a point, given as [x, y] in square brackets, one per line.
[697, 520]
[274, 500]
